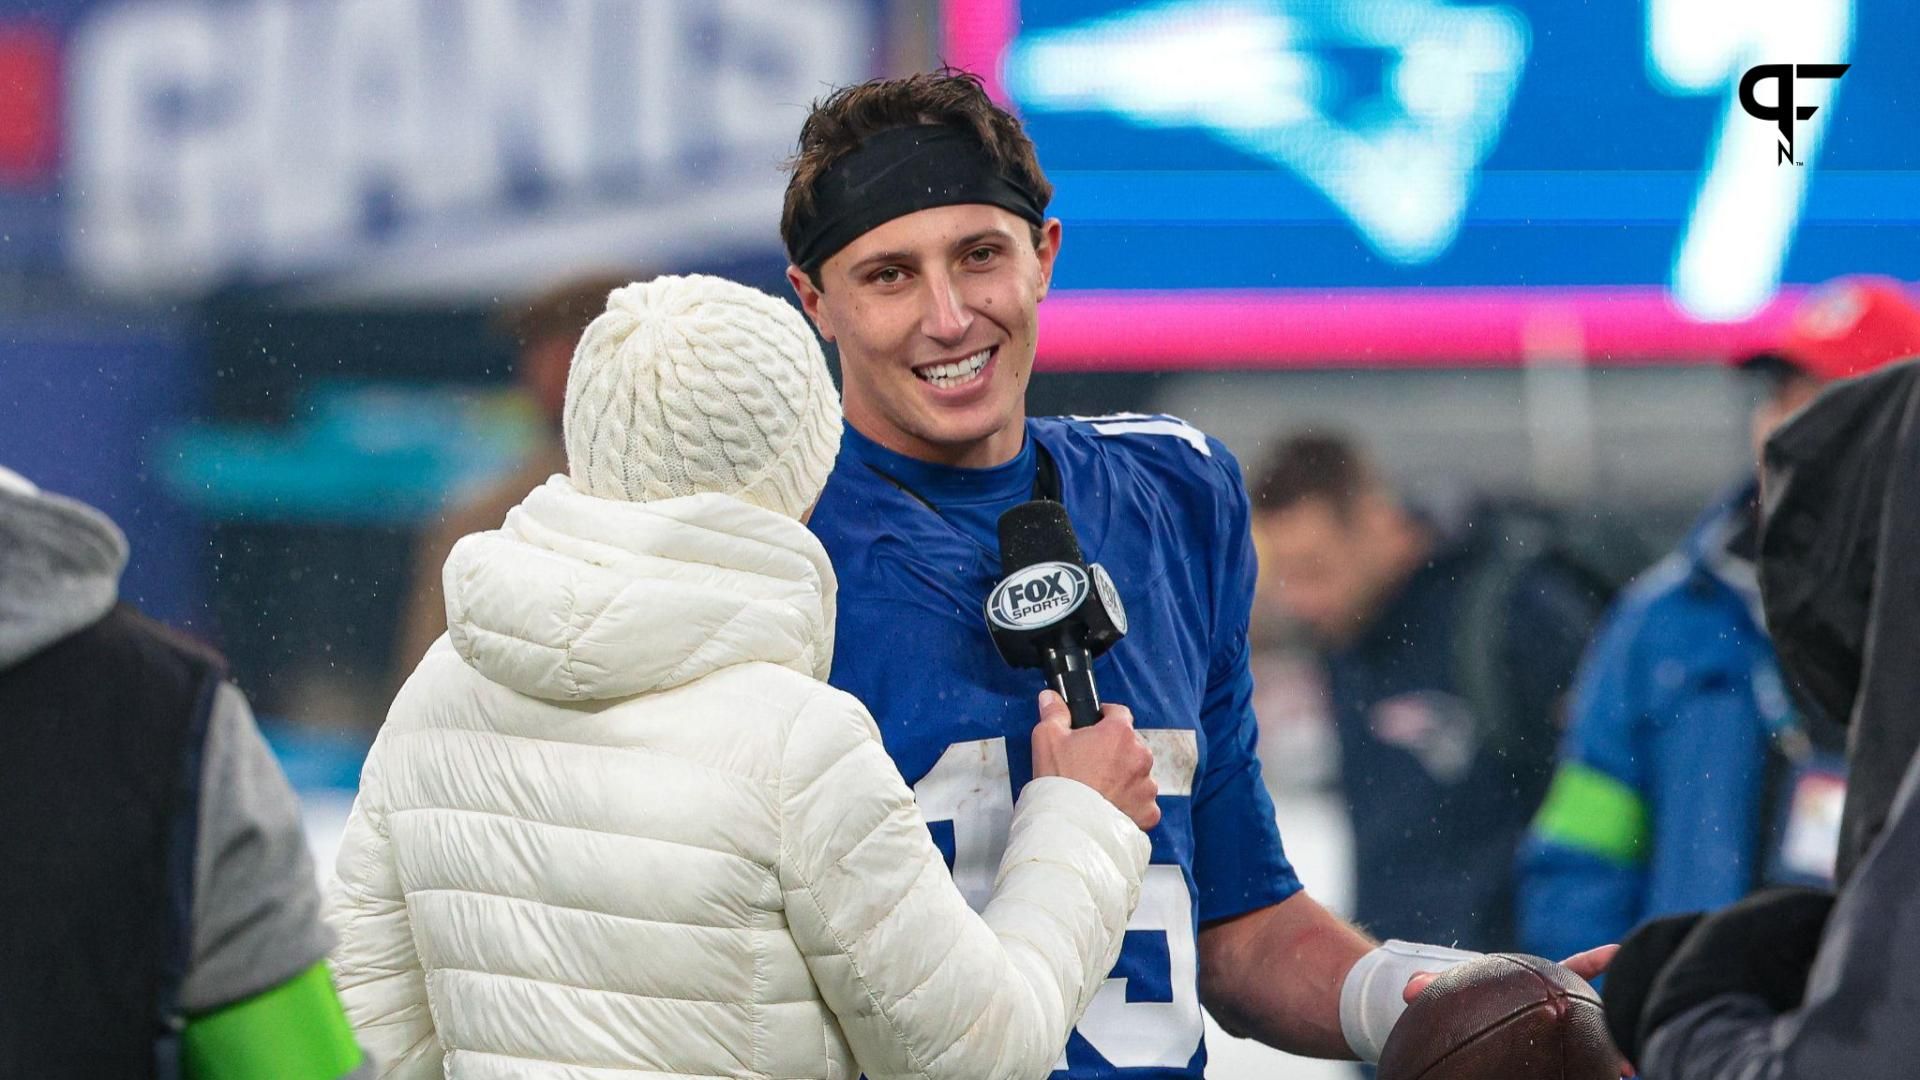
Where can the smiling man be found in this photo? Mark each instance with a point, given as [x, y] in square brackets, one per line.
[916, 224]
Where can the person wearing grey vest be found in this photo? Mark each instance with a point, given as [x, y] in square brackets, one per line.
[158, 910]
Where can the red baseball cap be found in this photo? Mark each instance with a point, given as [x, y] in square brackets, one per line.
[1850, 326]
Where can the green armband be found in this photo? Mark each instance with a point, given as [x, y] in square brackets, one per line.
[295, 1031]
[1589, 811]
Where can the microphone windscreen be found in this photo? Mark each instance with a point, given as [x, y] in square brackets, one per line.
[1037, 532]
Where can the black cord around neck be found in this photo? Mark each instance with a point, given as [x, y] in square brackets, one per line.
[1046, 485]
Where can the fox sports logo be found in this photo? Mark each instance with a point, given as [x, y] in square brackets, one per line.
[1037, 595]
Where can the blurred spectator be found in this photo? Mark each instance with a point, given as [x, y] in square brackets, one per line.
[1686, 777]
[1794, 983]
[160, 909]
[545, 329]
[1448, 645]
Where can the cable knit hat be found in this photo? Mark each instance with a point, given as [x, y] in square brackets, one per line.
[698, 384]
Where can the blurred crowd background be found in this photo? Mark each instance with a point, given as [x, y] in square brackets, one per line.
[288, 287]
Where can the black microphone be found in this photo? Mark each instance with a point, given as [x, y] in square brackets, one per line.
[1051, 610]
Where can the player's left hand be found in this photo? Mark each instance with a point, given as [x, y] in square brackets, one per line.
[1589, 965]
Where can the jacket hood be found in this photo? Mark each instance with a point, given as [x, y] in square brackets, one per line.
[1840, 585]
[60, 563]
[579, 598]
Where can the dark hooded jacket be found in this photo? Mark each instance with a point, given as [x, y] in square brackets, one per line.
[1841, 583]
[1841, 589]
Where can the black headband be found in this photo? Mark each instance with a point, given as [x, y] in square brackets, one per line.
[895, 173]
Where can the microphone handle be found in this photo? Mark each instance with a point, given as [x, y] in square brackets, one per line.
[1070, 671]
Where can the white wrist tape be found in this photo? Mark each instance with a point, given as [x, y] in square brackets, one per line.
[1374, 995]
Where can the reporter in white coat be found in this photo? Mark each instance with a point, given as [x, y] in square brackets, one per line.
[618, 825]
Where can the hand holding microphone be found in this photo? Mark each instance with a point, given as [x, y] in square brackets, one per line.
[1109, 757]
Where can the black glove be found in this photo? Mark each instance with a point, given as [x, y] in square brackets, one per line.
[1763, 945]
[1631, 975]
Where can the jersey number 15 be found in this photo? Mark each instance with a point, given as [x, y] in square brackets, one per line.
[972, 787]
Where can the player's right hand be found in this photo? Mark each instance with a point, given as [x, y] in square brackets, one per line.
[1109, 757]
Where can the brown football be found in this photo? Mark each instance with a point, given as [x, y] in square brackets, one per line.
[1502, 1017]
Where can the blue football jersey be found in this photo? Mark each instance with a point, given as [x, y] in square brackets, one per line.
[1163, 508]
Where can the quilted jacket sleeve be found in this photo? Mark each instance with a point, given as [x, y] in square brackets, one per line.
[376, 968]
[923, 986]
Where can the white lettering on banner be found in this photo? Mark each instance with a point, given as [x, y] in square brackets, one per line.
[173, 45]
[972, 787]
[535, 76]
[469, 145]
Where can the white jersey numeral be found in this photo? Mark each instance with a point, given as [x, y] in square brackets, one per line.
[972, 787]
[1153, 1034]
[1142, 424]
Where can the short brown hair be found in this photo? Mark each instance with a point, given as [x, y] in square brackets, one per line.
[839, 122]
[1313, 465]
[561, 310]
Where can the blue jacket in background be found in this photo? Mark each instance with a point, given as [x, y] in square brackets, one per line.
[1656, 804]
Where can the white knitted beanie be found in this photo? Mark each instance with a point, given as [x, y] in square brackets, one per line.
[698, 384]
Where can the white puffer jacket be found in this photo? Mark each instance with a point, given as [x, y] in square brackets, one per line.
[616, 825]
